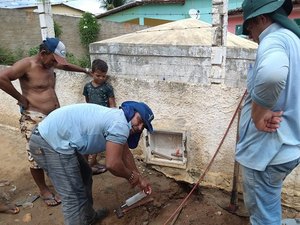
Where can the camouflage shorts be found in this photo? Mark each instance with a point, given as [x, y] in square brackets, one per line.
[28, 121]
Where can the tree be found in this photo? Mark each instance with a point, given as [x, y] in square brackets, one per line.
[110, 4]
[88, 29]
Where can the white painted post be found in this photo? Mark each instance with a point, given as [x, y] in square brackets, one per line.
[46, 19]
[219, 40]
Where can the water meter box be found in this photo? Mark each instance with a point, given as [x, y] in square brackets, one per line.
[166, 148]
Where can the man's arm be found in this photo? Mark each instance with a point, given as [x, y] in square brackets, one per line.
[120, 162]
[128, 159]
[270, 79]
[264, 119]
[14, 72]
[114, 160]
[73, 68]
[112, 102]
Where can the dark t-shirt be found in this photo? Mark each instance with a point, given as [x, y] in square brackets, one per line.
[98, 95]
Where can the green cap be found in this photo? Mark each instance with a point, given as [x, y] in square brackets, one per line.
[254, 8]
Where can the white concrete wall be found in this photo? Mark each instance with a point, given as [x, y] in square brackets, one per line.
[190, 64]
[203, 110]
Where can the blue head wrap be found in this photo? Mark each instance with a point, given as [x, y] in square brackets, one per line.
[129, 108]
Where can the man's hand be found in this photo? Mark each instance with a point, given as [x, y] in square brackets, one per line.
[145, 186]
[23, 103]
[265, 119]
[141, 182]
[120, 162]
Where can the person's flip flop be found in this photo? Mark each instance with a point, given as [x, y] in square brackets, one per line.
[50, 200]
[100, 215]
[294, 221]
[9, 208]
[98, 169]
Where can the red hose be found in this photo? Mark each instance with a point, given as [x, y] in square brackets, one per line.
[210, 163]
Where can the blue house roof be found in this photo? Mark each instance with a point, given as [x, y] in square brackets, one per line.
[155, 12]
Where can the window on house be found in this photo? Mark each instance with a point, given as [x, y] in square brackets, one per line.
[239, 29]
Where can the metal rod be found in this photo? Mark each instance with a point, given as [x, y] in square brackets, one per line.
[161, 155]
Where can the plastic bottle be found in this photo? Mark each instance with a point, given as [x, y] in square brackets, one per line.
[137, 197]
[27, 205]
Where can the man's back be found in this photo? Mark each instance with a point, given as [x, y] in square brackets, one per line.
[95, 125]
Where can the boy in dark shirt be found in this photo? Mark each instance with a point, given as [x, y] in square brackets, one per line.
[98, 91]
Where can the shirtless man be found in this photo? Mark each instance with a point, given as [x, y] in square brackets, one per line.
[37, 81]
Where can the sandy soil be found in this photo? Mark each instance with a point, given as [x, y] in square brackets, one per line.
[203, 207]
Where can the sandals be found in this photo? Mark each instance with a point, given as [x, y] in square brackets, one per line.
[51, 200]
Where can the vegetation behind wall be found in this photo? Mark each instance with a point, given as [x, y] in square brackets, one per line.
[21, 32]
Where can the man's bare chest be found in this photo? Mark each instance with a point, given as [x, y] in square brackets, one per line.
[41, 81]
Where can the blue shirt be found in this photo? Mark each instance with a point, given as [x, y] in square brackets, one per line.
[84, 128]
[273, 82]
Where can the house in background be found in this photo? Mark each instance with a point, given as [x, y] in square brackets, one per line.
[156, 12]
[235, 16]
[58, 7]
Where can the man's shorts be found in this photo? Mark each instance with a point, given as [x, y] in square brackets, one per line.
[29, 120]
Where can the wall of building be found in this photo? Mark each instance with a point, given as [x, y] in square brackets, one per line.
[20, 30]
[175, 81]
[57, 9]
[65, 10]
[175, 63]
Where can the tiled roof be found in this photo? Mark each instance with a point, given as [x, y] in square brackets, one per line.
[138, 3]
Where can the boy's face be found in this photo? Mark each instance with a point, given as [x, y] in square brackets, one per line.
[99, 76]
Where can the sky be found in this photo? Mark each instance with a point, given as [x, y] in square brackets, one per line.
[92, 6]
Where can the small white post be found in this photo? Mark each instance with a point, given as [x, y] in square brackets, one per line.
[46, 19]
[219, 40]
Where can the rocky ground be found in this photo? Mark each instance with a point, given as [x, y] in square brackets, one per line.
[203, 206]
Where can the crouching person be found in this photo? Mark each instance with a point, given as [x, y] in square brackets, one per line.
[67, 133]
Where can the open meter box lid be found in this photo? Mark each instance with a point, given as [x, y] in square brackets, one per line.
[166, 148]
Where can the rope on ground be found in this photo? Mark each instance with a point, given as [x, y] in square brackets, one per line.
[179, 208]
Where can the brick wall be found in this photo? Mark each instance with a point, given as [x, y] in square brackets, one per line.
[21, 30]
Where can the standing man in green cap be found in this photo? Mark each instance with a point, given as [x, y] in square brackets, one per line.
[269, 145]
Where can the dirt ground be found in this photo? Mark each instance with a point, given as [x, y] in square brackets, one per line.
[203, 207]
